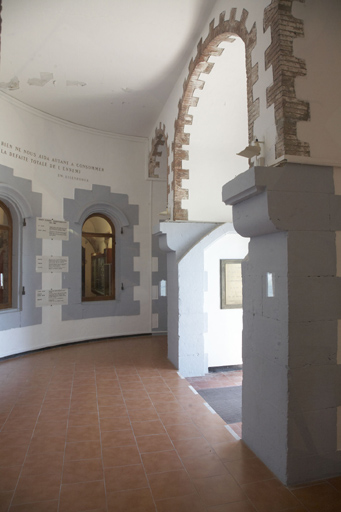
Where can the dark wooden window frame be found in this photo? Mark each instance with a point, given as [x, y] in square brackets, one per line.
[98, 235]
[8, 228]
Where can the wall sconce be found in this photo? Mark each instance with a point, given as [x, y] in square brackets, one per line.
[253, 150]
[165, 215]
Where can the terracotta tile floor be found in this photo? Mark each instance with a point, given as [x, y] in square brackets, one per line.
[110, 426]
[217, 380]
[220, 380]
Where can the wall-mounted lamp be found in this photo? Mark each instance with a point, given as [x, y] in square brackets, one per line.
[165, 215]
[254, 149]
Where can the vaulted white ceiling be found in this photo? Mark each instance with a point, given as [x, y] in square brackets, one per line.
[104, 64]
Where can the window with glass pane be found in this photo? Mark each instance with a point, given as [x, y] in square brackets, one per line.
[5, 257]
[98, 258]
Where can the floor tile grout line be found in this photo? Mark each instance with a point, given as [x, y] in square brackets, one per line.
[176, 451]
[140, 455]
[300, 502]
[29, 444]
[166, 433]
[1, 429]
[211, 445]
[209, 406]
[66, 434]
[100, 438]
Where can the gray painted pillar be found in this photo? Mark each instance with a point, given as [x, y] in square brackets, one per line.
[185, 294]
[292, 382]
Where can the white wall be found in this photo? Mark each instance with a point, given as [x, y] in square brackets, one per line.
[223, 339]
[219, 131]
[122, 161]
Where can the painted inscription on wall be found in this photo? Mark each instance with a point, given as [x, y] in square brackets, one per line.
[64, 169]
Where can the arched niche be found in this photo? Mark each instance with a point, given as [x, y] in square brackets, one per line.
[199, 66]
[219, 131]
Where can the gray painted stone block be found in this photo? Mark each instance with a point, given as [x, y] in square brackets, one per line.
[252, 293]
[173, 309]
[266, 337]
[299, 211]
[276, 307]
[314, 298]
[290, 177]
[312, 467]
[159, 305]
[261, 372]
[312, 343]
[268, 253]
[293, 177]
[307, 429]
[255, 220]
[276, 394]
[314, 387]
[335, 213]
[264, 434]
[312, 253]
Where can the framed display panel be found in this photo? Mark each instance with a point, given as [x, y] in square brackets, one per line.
[231, 289]
[5, 257]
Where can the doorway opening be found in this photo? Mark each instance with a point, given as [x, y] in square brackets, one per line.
[215, 121]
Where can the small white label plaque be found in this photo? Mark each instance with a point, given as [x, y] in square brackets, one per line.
[52, 264]
[54, 229]
[51, 297]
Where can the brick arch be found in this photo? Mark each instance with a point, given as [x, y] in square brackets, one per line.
[205, 49]
[159, 140]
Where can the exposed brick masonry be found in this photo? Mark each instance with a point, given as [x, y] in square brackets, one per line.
[0, 25]
[286, 67]
[207, 48]
[159, 142]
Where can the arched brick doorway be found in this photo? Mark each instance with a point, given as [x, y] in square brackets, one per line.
[200, 64]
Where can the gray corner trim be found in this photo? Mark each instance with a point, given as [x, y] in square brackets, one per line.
[23, 204]
[106, 208]
[182, 236]
[116, 207]
[242, 196]
[241, 187]
[163, 242]
[20, 202]
[159, 305]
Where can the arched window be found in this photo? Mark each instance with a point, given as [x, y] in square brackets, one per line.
[98, 258]
[5, 257]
